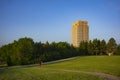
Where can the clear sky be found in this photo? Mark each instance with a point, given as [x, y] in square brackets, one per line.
[51, 20]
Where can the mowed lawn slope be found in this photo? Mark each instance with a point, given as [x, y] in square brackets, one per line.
[104, 64]
[38, 73]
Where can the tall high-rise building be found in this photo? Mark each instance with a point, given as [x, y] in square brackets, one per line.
[80, 32]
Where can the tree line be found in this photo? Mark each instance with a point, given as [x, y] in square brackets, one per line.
[26, 51]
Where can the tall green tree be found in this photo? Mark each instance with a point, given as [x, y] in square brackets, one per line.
[90, 48]
[117, 52]
[46, 47]
[111, 46]
[96, 46]
[26, 48]
[83, 48]
[38, 51]
[103, 47]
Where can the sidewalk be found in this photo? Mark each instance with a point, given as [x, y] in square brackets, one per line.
[23, 66]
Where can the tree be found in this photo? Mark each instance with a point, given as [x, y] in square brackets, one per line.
[96, 46]
[4, 54]
[103, 47]
[117, 52]
[25, 51]
[46, 47]
[26, 47]
[38, 51]
[90, 48]
[83, 48]
[111, 46]
[63, 48]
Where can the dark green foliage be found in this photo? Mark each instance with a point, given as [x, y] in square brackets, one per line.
[111, 46]
[50, 56]
[25, 51]
[55, 51]
[96, 47]
[117, 52]
[83, 48]
[38, 51]
[90, 48]
[19, 52]
[102, 47]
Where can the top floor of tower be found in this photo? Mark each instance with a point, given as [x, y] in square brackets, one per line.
[80, 23]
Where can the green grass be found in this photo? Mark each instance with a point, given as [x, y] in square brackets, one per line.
[104, 64]
[37, 73]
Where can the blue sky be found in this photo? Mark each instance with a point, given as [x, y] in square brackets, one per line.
[51, 20]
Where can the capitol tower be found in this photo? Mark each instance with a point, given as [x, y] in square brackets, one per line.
[80, 32]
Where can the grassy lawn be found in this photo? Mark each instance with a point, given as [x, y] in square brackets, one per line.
[37, 73]
[104, 64]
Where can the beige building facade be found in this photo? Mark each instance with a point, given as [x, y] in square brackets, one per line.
[80, 32]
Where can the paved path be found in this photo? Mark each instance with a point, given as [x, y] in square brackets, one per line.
[22, 66]
[106, 76]
[61, 60]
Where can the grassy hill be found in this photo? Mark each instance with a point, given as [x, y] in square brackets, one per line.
[37, 73]
[104, 64]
